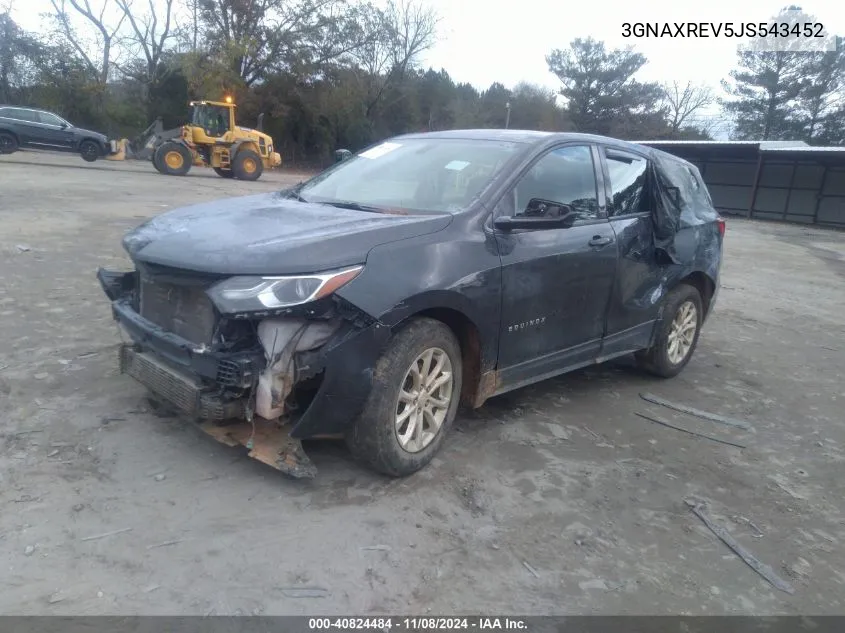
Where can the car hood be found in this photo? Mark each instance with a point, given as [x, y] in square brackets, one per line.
[269, 234]
[81, 131]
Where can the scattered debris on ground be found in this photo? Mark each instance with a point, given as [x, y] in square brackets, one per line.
[705, 415]
[656, 420]
[105, 535]
[764, 570]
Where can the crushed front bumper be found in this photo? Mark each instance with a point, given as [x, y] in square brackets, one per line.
[218, 369]
[213, 387]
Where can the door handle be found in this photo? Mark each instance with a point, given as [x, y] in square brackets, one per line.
[598, 240]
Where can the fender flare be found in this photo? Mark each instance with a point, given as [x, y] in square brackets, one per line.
[233, 150]
[179, 141]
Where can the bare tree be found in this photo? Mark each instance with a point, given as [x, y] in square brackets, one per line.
[151, 31]
[406, 28]
[682, 102]
[97, 18]
[264, 35]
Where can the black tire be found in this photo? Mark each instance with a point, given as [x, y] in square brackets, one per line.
[373, 438]
[657, 359]
[8, 143]
[90, 151]
[224, 173]
[247, 165]
[156, 162]
[174, 159]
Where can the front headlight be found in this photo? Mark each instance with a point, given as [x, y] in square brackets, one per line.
[255, 294]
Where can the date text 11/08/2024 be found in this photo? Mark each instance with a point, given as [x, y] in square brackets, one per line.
[417, 624]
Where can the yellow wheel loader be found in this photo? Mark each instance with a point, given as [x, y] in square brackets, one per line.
[213, 139]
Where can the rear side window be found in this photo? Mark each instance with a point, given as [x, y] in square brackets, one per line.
[22, 115]
[628, 183]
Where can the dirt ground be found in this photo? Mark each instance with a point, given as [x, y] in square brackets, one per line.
[555, 499]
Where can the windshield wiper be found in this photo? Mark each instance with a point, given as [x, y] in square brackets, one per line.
[348, 204]
[293, 192]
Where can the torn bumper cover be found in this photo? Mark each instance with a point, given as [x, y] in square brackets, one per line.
[295, 378]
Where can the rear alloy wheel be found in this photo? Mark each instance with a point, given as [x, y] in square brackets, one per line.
[677, 336]
[8, 143]
[413, 401]
[247, 165]
[89, 150]
[224, 173]
[174, 159]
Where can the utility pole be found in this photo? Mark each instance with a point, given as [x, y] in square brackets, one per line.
[508, 115]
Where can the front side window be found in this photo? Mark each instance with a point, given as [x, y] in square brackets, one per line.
[564, 176]
[49, 119]
[413, 174]
[628, 178]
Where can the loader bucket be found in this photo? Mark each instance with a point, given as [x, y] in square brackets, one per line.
[120, 152]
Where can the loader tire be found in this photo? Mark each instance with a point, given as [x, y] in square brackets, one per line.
[174, 159]
[224, 173]
[247, 165]
[156, 163]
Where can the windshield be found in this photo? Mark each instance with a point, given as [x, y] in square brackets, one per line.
[428, 174]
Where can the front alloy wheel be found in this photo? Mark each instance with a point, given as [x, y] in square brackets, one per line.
[413, 401]
[424, 400]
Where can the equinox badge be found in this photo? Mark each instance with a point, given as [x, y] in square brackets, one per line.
[521, 326]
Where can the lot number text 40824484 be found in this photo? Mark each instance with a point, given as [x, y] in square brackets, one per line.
[417, 624]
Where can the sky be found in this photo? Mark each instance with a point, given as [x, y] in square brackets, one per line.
[483, 41]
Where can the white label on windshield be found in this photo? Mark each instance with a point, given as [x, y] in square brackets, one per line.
[457, 165]
[379, 150]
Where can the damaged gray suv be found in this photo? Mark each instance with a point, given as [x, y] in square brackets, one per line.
[424, 272]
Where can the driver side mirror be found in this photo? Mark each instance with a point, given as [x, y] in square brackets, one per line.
[539, 208]
[539, 214]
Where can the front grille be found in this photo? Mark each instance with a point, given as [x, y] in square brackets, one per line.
[184, 310]
[239, 372]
